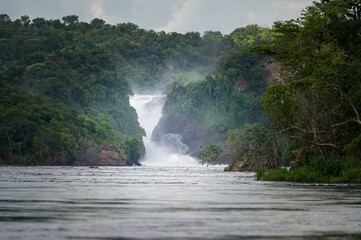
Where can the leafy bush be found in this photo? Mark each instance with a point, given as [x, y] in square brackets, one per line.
[254, 146]
[319, 169]
[209, 154]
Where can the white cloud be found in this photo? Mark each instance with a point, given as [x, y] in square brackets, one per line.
[168, 15]
[226, 15]
[97, 10]
[180, 18]
[283, 10]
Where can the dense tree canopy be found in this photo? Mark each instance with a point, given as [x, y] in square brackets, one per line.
[318, 105]
[89, 67]
[229, 98]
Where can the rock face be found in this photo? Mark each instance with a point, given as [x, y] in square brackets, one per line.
[111, 156]
[103, 155]
[276, 75]
[237, 166]
[192, 136]
[240, 84]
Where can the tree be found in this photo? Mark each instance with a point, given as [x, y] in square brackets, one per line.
[209, 154]
[318, 104]
[70, 20]
[248, 36]
[133, 150]
[39, 22]
[25, 20]
[213, 43]
[254, 146]
[97, 23]
[4, 18]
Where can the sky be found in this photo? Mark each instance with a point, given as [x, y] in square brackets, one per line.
[164, 15]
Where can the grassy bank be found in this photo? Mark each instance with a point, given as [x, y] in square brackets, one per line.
[318, 169]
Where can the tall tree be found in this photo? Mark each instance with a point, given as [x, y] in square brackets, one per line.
[318, 105]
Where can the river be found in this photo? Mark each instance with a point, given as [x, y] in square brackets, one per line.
[170, 203]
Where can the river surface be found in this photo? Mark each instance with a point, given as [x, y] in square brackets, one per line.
[170, 203]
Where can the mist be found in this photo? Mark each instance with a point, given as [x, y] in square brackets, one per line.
[170, 151]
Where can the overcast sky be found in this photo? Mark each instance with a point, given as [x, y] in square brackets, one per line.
[168, 15]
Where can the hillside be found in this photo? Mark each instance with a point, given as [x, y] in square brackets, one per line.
[204, 112]
[86, 69]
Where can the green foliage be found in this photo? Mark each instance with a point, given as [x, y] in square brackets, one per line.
[133, 150]
[248, 36]
[318, 105]
[34, 131]
[209, 154]
[242, 67]
[325, 166]
[88, 67]
[215, 103]
[319, 169]
[255, 146]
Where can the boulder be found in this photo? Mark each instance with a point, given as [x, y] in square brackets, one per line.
[237, 166]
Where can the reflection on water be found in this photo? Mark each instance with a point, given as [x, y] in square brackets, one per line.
[168, 203]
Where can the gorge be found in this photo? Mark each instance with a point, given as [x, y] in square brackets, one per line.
[170, 150]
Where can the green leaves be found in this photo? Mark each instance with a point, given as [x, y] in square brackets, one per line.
[209, 154]
[34, 131]
[255, 146]
[318, 51]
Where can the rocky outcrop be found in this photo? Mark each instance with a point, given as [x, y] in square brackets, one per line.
[276, 74]
[111, 156]
[240, 84]
[103, 155]
[237, 166]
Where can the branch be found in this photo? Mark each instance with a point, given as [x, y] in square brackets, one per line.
[353, 107]
[306, 132]
[325, 145]
[343, 123]
[294, 127]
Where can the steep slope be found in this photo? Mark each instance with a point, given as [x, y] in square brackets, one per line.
[87, 68]
[204, 112]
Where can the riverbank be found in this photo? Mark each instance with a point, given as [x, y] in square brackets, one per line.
[321, 173]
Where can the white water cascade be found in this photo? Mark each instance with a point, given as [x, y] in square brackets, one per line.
[170, 152]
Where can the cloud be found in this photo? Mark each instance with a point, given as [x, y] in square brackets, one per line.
[97, 10]
[179, 17]
[226, 15]
[168, 15]
[283, 9]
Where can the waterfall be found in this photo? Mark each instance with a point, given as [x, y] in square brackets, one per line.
[169, 152]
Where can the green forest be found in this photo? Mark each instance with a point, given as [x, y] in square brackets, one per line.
[306, 116]
[317, 106]
[286, 96]
[65, 85]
